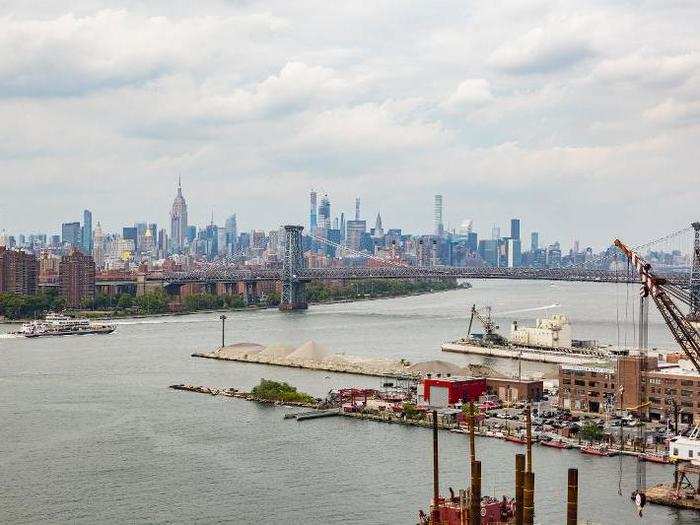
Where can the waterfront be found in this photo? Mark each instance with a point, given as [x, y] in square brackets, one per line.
[91, 432]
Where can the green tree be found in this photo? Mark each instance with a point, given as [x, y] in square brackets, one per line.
[125, 301]
[591, 432]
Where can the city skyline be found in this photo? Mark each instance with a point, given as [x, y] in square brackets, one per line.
[488, 114]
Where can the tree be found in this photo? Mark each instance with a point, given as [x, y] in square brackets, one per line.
[591, 432]
[155, 302]
[125, 301]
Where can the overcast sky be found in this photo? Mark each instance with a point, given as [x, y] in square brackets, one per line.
[584, 122]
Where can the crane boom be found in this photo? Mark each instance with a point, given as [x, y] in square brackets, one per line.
[685, 334]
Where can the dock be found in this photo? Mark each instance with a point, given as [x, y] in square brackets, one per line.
[314, 414]
[543, 356]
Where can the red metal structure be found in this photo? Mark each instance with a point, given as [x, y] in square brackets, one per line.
[661, 291]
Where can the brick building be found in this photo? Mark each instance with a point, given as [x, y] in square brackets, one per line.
[512, 390]
[662, 383]
[77, 278]
[18, 272]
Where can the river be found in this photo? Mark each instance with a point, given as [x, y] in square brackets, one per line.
[90, 433]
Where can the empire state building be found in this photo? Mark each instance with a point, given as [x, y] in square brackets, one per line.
[178, 220]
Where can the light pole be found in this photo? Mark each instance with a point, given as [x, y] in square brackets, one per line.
[223, 331]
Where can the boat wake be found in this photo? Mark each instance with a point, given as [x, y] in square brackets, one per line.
[9, 336]
[525, 310]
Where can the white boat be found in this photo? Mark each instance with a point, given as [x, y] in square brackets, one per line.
[58, 324]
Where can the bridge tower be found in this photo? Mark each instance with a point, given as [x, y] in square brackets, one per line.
[695, 276]
[293, 285]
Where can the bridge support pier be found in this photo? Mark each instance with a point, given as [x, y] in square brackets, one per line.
[293, 286]
[251, 293]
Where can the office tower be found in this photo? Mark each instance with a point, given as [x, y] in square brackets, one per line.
[130, 233]
[98, 246]
[336, 224]
[71, 234]
[22, 240]
[495, 232]
[378, 228]
[534, 241]
[439, 225]
[231, 229]
[77, 278]
[178, 220]
[87, 232]
[357, 208]
[355, 230]
[514, 253]
[191, 234]
[313, 221]
[154, 232]
[515, 229]
[55, 241]
[324, 213]
[162, 242]
[18, 272]
[472, 242]
[342, 226]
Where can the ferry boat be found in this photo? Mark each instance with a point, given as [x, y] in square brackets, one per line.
[654, 457]
[58, 324]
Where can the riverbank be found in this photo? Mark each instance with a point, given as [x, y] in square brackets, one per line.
[99, 315]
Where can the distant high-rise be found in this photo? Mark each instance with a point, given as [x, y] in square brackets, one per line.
[71, 234]
[130, 233]
[231, 228]
[355, 231]
[378, 228]
[515, 229]
[77, 277]
[178, 220]
[357, 208]
[313, 212]
[87, 232]
[342, 226]
[18, 272]
[534, 241]
[495, 232]
[439, 224]
[324, 213]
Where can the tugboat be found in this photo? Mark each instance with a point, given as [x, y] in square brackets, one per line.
[58, 324]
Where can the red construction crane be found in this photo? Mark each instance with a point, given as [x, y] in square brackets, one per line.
[685, 334]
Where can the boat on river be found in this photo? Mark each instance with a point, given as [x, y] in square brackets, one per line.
[59, 324]
[555, 443]
[594, 450]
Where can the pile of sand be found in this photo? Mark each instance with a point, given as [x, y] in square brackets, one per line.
[276, 351]
[310, 351]
[240, 350]
[435, 367]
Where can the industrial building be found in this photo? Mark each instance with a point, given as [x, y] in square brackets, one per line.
[664, 383]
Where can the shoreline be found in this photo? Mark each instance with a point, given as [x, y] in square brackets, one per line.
[113, 317]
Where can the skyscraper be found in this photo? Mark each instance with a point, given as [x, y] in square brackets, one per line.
[378, 228]
[178, 220]
[231, 228]
[313, 221]
[357, 208]
[71, 234]
[87, 232]
[355, 230]
[515, 229]
[324, 213]
[439, 225]
[534, 241]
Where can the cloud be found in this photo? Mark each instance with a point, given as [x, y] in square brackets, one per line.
[541, 50]
[675, 112]
[637, 68]
[470, 93]
[73, 55]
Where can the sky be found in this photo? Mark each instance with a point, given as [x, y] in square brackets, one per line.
[582, 120]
